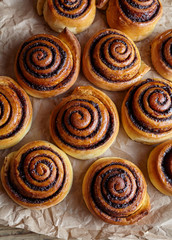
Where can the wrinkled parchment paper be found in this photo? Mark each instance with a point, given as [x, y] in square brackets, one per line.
[71, 219]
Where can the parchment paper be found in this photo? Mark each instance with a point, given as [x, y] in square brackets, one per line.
[71, 219]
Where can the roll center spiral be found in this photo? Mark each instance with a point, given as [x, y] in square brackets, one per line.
[42, 169]
[119, 183]
[118, 47]
[160, 101]
[80, 119]
[41, 55]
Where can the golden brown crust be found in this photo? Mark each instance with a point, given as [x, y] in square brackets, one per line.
[15, 111]
[115, 190]
[112, 61]
[40, 6]
[75, 15]
[161, 54]
[85, 124]
[136, 19]
[47, 66]
[147, 111]
[102, 4]
[37, 176]
[160, 167]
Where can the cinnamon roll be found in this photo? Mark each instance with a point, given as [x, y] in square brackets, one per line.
[115, 190]
[161, 54]
[15, 113]
[147, 111]
[160, 167]
[84, 124]
[76, 15]
[112, 61]
[136, 18]
[47, 66]
[38, 175]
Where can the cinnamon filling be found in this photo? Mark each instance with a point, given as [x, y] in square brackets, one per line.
[107, 135]
[23, 104]
[167, 165]
[42, 55]
[69, 6]
[96, 68]
[163, 49]
[30, 185]
[149, 11]
[112, 189]
[165, 90]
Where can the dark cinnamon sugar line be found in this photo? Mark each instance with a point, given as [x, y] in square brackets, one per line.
[23, 104]
[45, 55]
[95, 68]
[140, 6]
[164, 112]
[2, 110]
[110, 175]
[105, 61]
[42, 76]
[70, 9]
[108, 134]
[166, 161]
[21, 170]
[44, 162]
[71, 6]
[30, 185]
[109, 198]
[80, 103]
[162, 50]
[129, 104]
[146, 16]
[37, 44]
[67, 2]
[31, 200]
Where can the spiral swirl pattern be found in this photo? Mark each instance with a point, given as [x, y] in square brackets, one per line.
[111, 60]
[114, 189]
[148, 106]
[15, 113]
[76, 15]
[166, 52]
[166, 164]
[83, 122]
[39, 174]
[140, 11]
[160, 167]
[161, 54]
[113, 56]
[45, 66]
[71, 9]
[136, 18]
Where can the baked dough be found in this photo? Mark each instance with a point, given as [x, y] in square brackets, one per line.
[46, 65]
[84, 124]
[147, 111]
[37, 176]
[112, 61]
[115, 190]
[161, 54]
[76, 15]
[15, 113]
[136, 18]
[160, 167]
